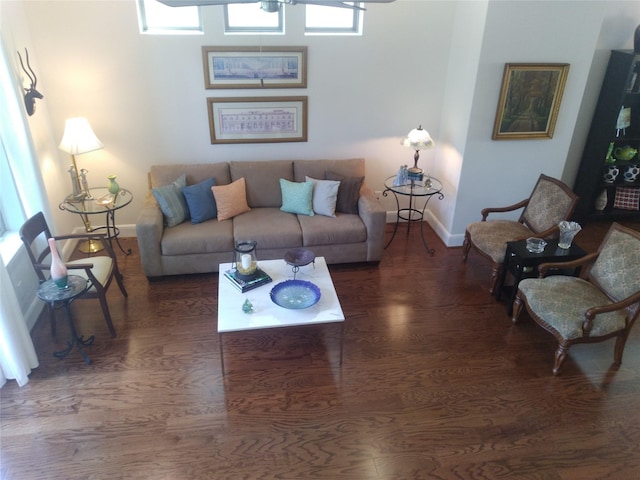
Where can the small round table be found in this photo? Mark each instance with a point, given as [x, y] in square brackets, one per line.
[101, 202]
[61, 298]
[412, 189]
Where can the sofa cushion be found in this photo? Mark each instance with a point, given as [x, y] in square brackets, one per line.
[325, 195]
[321, 230]
[231, 200]
[263, 180]
[172, 202]
[269, 227]
[296, 197]
[200, 200]
[211, 236]
[348, 192]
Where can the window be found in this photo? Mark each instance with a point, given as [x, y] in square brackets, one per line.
[157, 18]
[250, 18]
[321, 20]
[21, 184]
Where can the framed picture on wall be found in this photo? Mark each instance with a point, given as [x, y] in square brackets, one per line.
[255, 67]
[529, 100]
[257, 119]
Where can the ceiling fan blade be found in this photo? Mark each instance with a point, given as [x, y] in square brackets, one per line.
[327, 3]
[337, 3]
[202, 3]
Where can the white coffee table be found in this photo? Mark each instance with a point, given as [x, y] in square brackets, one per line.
[267, 314]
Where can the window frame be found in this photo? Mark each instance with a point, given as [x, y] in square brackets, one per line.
[145, 29]
[355, 29]
[278, 30]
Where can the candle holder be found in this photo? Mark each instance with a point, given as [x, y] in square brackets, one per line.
[245, 261]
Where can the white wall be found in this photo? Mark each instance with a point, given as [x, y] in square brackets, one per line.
[499, 173]
[435, 63]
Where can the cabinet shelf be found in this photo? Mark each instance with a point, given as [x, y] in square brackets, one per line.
[623, 70]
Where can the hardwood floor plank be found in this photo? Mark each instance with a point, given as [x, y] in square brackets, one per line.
[436, 383]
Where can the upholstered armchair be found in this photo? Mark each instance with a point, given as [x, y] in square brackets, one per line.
[603, 303]
[550, 202]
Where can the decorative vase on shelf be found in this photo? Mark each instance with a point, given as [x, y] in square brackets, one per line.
[113, 186]
[58, 270]
[601, 200]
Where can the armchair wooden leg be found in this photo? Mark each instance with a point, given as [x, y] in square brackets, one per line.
[107, 315]
[561, 354]
[121, 284]
[495, 276]
[621, 341]
[517, 307]
[466, 245]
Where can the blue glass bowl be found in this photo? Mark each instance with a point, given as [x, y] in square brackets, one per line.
[295, 294]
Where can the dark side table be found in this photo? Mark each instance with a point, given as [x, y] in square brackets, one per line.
[521, 263]
[61, 298]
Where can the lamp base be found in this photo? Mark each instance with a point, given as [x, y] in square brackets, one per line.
[414, 173]
[90, 246]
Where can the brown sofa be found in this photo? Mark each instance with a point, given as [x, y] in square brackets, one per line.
[200, 248]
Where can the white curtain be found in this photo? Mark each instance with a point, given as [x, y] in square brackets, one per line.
[17, 353]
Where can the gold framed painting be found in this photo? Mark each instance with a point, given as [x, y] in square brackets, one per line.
[257, 119]
[529, 100]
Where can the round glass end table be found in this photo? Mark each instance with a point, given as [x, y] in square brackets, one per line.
[417, 191]
[57, 297]
[99, 202]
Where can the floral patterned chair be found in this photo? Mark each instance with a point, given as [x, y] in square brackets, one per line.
[603, 303]
[550, 202]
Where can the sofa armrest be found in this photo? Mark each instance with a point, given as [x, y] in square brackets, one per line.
[149, 229]
[374, 217]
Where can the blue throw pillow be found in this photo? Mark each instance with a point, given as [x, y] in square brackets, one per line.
[201, 202]
[172, 202]
[297, 197]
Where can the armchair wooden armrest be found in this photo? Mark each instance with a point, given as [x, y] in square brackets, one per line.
[591, 313]
[486, 211]
[544, 268]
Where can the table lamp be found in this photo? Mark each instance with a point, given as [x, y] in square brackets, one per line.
[417, 139]
[78, 138]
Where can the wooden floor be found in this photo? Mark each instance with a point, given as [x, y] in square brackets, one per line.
[436, 384]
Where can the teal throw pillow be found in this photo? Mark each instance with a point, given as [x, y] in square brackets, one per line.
[200, 200]
[297, 197]
[172, 202]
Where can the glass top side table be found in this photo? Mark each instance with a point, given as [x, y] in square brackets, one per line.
[413, 213]
[56, 297]
[101, 202]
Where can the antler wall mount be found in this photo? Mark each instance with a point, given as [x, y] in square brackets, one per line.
[31, 92]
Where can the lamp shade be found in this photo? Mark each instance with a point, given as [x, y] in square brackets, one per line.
[418, 139]
[78, 137]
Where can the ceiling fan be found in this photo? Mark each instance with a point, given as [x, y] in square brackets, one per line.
[269, 5]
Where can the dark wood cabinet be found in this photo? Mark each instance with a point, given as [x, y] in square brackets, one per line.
[620, 90]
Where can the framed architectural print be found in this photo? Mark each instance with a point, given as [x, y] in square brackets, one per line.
[257, 119]
[255, 67]
[529, 100]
